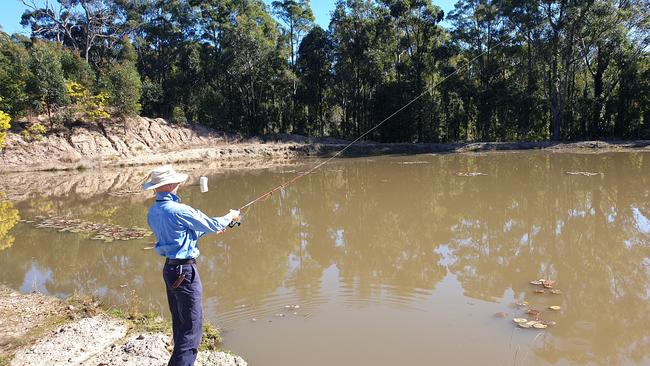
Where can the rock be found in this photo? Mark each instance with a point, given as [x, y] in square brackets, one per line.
[140, 350]
[213, 358]
[74, 344]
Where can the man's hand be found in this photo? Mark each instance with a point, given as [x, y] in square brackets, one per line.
[234, 215]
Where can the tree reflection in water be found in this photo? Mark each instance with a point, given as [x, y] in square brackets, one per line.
[382, 226]
[9, 217]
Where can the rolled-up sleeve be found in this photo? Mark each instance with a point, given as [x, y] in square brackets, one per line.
[200, 222]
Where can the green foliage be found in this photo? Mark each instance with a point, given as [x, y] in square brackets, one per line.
[127, 51]
[46, 83]
[178, 116]
[34, 132]
[212, 339]
[77, 69]
[14, 73]
[123, 87]
[298, 18]
[314, 64]
[496, 71]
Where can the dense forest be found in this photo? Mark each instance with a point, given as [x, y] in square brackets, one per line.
[495, 70]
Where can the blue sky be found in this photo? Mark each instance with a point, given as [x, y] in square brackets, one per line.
[13, 9]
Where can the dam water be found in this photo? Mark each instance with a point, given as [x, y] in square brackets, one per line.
[374, 261]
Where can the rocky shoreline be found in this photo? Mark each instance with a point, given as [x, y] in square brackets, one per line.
[80, 332]
[146, 141]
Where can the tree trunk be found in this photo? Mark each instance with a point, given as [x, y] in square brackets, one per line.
[601, 66]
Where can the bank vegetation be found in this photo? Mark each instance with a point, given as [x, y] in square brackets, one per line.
[496, 70]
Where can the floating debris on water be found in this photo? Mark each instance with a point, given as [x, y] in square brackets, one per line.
[522, 304]
[533, 319]
[501, 314]
[148, 248]
[471, 174]
[524, 325]
[534, 313]
[586, 174]
[104, 232]
[547, 284]
[124, 193]
[412, 162]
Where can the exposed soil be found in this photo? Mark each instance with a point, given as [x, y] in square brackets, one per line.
[21, 314]
[41, 330]
[141, 141]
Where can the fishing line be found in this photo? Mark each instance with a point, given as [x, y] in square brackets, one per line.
[317, 166]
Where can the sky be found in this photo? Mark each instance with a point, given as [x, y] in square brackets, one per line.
[11, 10]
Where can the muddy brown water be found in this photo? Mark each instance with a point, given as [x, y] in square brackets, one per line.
[391, 260]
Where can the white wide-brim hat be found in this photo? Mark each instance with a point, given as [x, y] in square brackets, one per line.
[164, 175]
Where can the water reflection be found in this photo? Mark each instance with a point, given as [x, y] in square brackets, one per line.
[378, 232]
[9, 217]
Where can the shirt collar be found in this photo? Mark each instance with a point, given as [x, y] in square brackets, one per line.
[167, 196]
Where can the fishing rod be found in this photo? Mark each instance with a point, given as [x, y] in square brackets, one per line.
[338, 153]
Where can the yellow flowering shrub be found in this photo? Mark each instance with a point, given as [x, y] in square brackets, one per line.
[92, 107]
[5, 124]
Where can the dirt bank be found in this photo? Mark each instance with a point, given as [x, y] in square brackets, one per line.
[36, 330]
[142, 141]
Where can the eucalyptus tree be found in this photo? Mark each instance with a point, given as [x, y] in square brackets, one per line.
[361, 62]
[250, 60]
[314, 69]
[122, 82]
[298, 18]
[46, 83]
[14, 73]
[480, 29]
[81, 24]
[417, 39]
[614, 33]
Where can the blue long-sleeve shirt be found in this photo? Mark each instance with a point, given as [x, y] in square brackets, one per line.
[178, 226]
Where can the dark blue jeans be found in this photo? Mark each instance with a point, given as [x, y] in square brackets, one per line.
[187, 312]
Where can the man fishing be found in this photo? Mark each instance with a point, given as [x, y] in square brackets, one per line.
[177, 228]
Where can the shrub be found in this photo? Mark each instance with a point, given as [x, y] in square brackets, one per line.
[123, 88]
[5, 123]
[91, 107]
[178, 116]
[34, 132]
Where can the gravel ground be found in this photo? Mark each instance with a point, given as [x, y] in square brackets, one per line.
[34, 309]
[153, 350]
[93, 340]
[73, 343]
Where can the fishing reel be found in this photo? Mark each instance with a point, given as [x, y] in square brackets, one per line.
[234, 223]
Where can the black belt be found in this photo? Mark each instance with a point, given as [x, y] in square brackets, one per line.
[178, 262]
